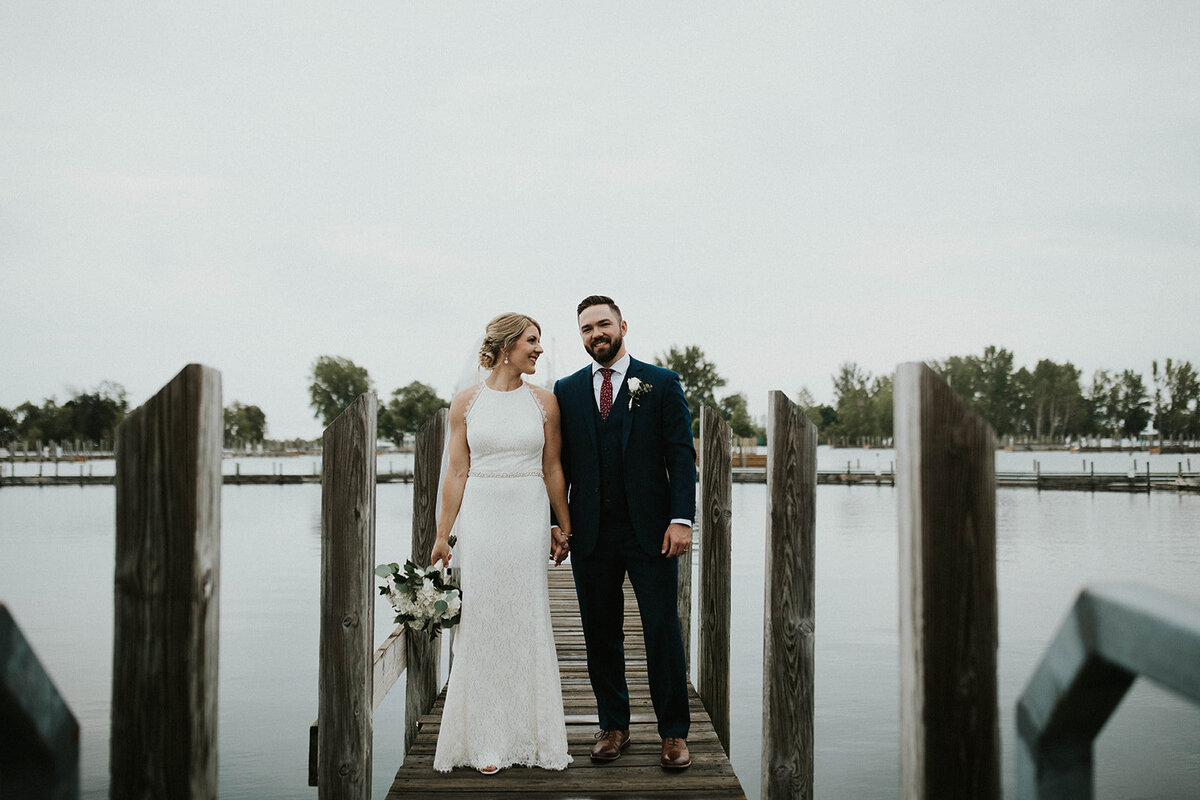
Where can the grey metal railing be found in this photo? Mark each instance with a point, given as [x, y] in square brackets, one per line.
[40, 753]
[1113, 634]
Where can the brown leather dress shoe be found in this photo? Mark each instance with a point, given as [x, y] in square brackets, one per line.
[675, 754]
[609, 745]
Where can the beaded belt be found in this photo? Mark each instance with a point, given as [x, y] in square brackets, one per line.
[531, 473]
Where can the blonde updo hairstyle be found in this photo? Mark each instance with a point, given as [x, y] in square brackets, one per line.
[501, 334]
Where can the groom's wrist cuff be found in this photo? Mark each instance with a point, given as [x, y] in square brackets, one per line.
[687, 522]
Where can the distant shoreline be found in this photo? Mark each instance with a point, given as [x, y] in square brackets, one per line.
[1142, 448]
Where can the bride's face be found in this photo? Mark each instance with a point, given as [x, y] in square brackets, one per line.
[524, 354]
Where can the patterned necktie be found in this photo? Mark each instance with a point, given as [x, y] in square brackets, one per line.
[606, 392]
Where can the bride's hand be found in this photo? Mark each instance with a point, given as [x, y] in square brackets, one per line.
[441, 552]
[559, 544]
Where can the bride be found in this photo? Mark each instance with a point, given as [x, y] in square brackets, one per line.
[504, 700]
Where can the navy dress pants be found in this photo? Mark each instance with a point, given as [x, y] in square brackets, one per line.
[599, 579]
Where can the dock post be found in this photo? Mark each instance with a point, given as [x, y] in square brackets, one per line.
[946, 485]
[344, 693]
[788, 608]
[166, 591]
[715, 516]
[423, 656]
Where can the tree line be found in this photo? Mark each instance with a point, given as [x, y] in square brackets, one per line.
[93, 416]
[89, 416]
[1050, 403]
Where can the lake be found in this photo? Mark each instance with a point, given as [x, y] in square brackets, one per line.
[56, 574]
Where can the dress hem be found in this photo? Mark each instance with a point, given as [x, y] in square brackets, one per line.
[556, 766]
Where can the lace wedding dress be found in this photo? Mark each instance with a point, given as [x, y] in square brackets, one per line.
[504, 700]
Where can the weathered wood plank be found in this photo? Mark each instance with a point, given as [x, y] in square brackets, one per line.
[423, 656]
[40, 753]
[716, 513]
[949, 726]
[347, 603]
[788, 611]
[388, 664]
[167, 586]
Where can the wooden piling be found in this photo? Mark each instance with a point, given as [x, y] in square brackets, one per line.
[788, 610]
[347, 603]
[715, 516]
[167, 580]
[949, 732]
[423, 656]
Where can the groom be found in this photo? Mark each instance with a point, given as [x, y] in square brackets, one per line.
[631, 477]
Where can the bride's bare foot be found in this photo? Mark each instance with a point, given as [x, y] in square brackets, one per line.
[489, 770]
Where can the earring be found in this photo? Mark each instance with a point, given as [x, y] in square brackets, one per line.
[506, 359]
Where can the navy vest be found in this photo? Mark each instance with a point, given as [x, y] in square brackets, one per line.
[614, 506]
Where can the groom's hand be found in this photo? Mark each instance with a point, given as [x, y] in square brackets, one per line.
[677, 540]
[558, 545]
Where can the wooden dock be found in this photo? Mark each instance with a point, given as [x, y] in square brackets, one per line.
[236, 479]
[635, 774]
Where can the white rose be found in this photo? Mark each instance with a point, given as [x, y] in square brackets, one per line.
[428, 594]
[404, 605]
[634, 384]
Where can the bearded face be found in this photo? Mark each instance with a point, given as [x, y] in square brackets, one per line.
[603, 333]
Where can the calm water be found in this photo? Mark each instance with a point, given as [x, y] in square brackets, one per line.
[56, 562]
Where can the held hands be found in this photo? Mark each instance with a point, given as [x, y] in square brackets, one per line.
[441, 552]
[560, 544]
[677, 540]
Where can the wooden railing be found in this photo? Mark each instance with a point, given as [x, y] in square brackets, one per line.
[1112, 635]
[40, 755]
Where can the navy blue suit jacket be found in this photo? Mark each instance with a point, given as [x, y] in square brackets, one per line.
[659, 460]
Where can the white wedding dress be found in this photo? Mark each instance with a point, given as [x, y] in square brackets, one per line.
[504, 700]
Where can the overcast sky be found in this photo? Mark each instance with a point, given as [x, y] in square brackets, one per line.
[788, 186]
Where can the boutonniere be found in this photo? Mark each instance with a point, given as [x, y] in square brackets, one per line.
[637, 390]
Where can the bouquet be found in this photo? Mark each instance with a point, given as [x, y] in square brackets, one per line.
[422, 597]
